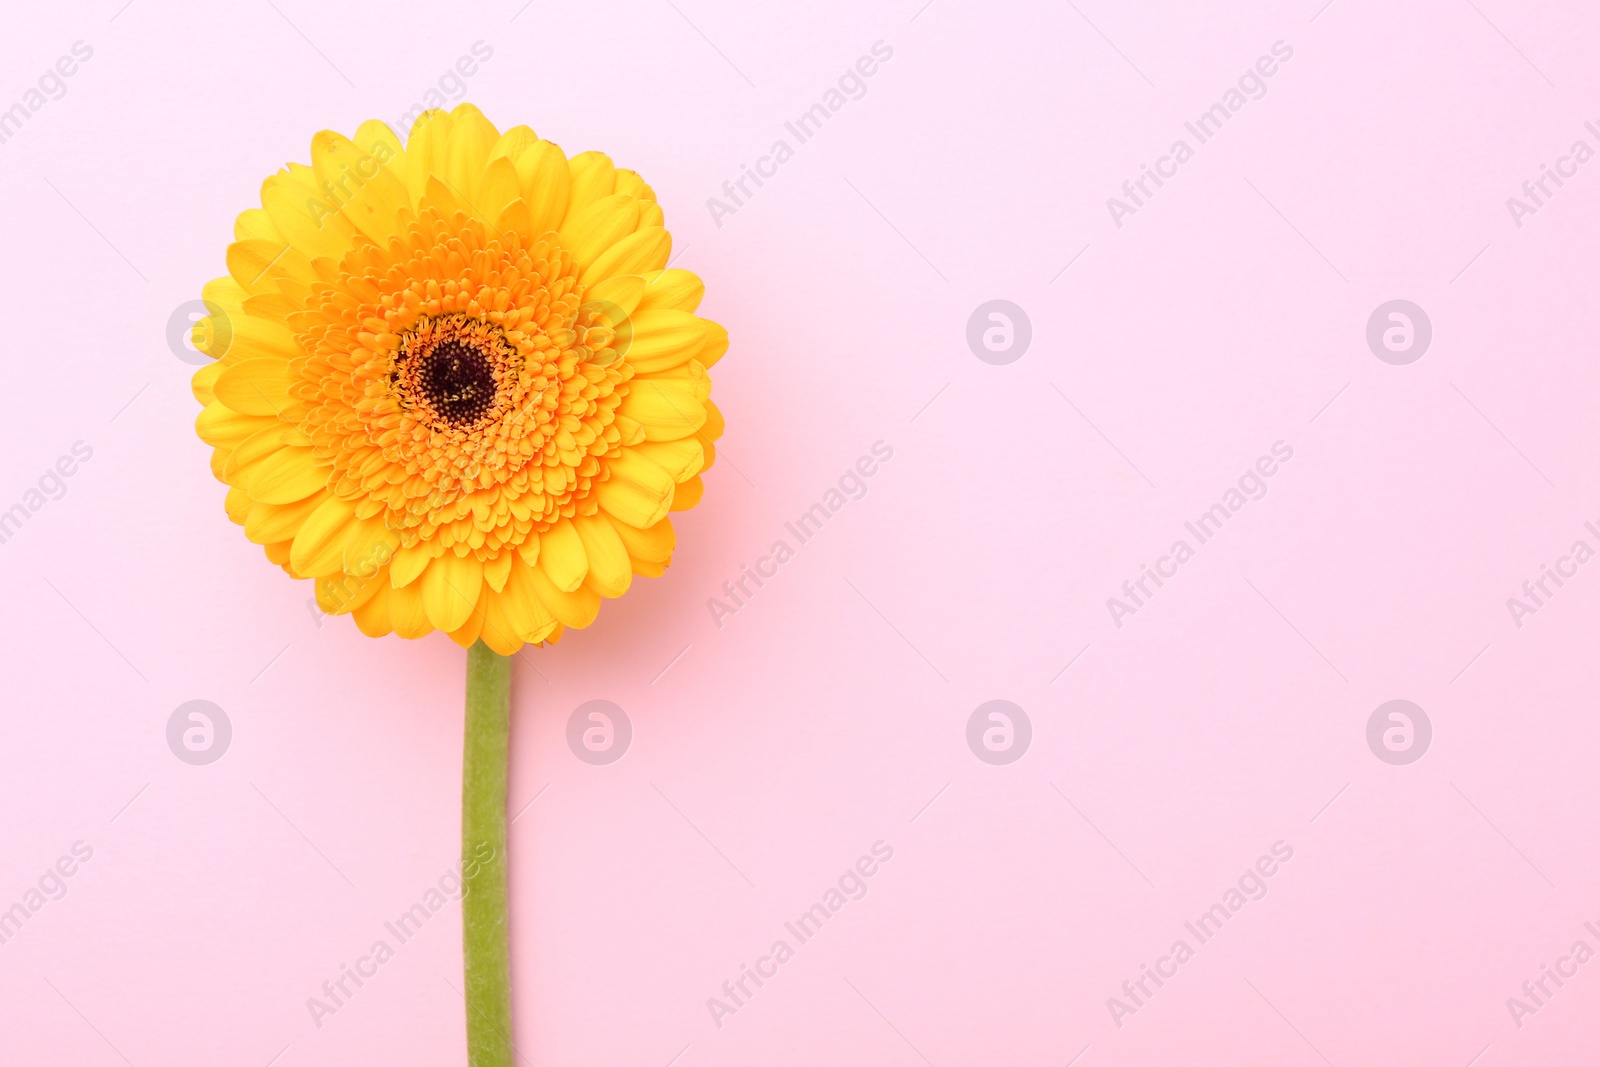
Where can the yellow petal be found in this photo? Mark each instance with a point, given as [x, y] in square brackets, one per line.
[525, 613]
[637, 253]
[499, 188]
[257, 265]
[268, 307]
[561, 556]
[450, 588]
[628, 181]
[516, 218]
[513, 143]
[255, 387]
[631, 430]
[637, 491]
[364, 191]
[590, 231]
[372, 615]
[256, 225]
[377, 140]
[319, 545]
[269, 523]
[609, 570]
[498, 632]
[223, 293]
[203, 384]
[528, 550]
[653, 545]
[369, 546]
[467, 633]
[687, 494]
[254, 337]
[714, 423]
[664, 339]
[471, 138]
[341, 594]
[440, 197]
[546, 185]
[305, 219]
[237, 504]
[496, 570]
[593, 177]
[690, 374]
[407, 614]
[257, 447]
[715, 345]
[667, 408]
[222, 427]
[682, 459]
[576, 609]
[213, 333]
[427, 151]
[287, 475]
[410, 562]
[623, 292]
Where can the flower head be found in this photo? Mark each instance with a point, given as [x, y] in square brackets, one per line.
[455, 382]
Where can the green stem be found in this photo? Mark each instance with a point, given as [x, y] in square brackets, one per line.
[484, 928]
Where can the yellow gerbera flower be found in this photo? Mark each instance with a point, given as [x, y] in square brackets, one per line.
[455, 382]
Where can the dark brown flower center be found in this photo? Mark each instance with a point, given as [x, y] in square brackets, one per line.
[455, 373]
[457, 381]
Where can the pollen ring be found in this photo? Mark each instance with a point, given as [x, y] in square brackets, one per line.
[454, 372]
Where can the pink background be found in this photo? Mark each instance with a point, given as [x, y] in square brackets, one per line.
[1228, 714]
